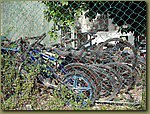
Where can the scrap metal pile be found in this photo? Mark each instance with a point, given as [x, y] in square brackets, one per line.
[103, 72]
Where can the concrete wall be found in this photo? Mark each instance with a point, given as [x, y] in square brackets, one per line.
[23, 18]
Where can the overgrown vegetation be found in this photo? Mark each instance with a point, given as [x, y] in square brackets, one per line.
[20, 92]
[65, 13]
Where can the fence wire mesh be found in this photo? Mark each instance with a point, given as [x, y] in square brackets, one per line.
[82, 52]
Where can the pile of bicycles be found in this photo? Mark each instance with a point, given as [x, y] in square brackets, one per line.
[97, 72]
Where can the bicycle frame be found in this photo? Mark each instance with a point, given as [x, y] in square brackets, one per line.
[33, 58]
[44, 56]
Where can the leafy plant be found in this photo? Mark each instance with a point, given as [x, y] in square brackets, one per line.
[129, 13]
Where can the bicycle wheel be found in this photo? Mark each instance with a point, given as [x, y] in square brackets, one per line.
[110, 82]
[72, 67]
[115, 49]
[125, 72]
[82, 86]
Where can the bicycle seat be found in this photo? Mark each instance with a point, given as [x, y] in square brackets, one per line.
[61, 53]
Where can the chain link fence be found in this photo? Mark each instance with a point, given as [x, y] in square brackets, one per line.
[96, 49]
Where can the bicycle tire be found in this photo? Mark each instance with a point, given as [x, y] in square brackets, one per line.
[84, 68]
[125, 73]
[78, 79]
[112, 80]
[99, 49]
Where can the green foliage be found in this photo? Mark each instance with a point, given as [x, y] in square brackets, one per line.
[19, 89]
[53, 35]
[63, 14]
[64, 99]
[130, 13]
[15, 86]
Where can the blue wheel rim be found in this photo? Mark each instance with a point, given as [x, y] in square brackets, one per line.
[80, 85]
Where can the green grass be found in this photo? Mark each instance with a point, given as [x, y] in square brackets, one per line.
[20, 92]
